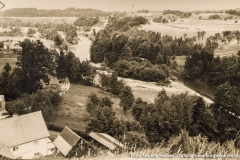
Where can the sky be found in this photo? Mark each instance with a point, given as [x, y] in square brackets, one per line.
[125, 5]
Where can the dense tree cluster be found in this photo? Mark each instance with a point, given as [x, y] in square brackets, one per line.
[233, 11]
[119, 43]
[178, 13]
[50, 31]
[103, 119]
[144, 70]
[86, 21]
[111, 83]
[143, 11]
[14, 31]
[224, 74]
[166, 117]
[214, 16]
[70, 66]
[69, 12]
[214, 71]
[44, 100]
[30, 32]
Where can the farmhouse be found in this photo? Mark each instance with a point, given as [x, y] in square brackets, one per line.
[70, 144]
[25, 137]
[12, 45]
[15, 45]
[6, 45]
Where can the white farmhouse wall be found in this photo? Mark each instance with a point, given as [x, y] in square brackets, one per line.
[28, 150]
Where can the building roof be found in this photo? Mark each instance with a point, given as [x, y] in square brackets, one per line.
[7, 43]
[5, 152]
[106, 140]
[22, 129]
[66, 140]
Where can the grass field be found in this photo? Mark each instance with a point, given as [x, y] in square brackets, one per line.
[71, 111]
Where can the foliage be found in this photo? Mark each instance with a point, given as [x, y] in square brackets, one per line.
[203, 120]
[44, 100]
[143, 11]
[234, 12]
[35, 64]
[157, 19]
[111, 84]
[143, 71]
[30, 32]
[166, 117]
[70, 66]
[199, 62]
[86, 21]
[214, 16]
[126, 98]
[94, 102]
[178, 13]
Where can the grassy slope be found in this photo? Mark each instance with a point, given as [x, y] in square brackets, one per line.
[71, 111]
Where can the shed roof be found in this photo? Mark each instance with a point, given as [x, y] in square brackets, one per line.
[106, 140]
[22, 129]
[66, 140]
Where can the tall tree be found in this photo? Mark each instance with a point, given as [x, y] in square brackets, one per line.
[35, 65]
[126, 98]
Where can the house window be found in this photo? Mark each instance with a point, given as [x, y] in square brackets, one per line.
[36, 142]
[15, 148]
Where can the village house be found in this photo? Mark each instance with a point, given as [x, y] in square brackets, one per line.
[15, 45]
[70, 144]
[12, 45]
[25, 137]
[6, 45]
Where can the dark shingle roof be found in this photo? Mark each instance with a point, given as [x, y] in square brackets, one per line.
[66, 140]
[69, 136]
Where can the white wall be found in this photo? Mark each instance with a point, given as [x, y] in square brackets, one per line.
[27, 150]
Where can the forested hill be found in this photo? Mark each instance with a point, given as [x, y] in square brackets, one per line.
[69, 12]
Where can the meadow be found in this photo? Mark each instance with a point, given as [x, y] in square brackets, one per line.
[72, 110]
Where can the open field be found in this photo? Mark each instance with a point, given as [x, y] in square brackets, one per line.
[149, 90]
[71, 111]
[191, 27]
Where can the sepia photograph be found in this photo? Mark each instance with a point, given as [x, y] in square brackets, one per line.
[120, 79]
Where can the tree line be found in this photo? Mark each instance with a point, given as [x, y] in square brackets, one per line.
[69, 12]
[178, 13]
[233, 12]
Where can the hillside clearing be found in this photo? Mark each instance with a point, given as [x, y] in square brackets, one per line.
[72, 110]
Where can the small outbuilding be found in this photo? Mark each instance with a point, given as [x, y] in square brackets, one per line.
[70, 144]
[107, 141]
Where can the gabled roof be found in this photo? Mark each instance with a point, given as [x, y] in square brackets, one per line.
[7, 43]
[22, 129]
[5, 152]
[66, 140]
[106, 140]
